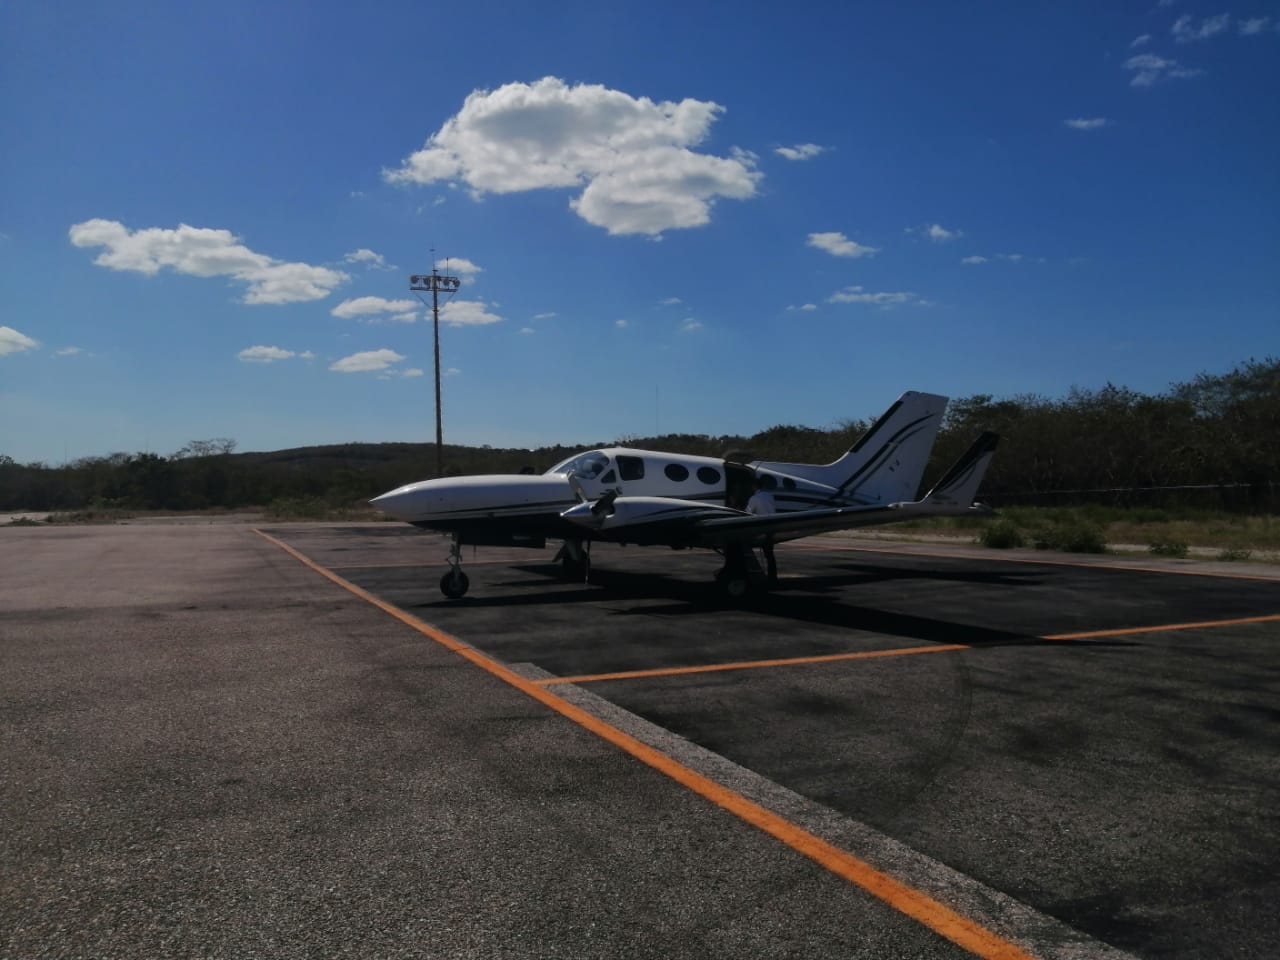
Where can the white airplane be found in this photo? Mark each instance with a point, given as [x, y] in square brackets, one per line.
[646, 497]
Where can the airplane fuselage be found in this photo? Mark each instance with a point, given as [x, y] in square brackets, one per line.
[511, 508]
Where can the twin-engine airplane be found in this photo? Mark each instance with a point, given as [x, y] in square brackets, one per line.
[645, 497]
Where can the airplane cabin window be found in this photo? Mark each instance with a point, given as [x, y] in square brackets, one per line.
[609, 477]
[677, 472]
[768, 482]
[788, 483]
[709, 475]
[631, 468]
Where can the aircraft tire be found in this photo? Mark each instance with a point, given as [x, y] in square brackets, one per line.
[454, 584]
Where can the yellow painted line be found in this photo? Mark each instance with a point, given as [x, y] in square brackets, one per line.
[897, 652]
[753, 664]
[1059, 563]
[1164, 628]
[939, 918]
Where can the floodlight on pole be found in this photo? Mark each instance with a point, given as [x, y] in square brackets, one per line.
[437, 283]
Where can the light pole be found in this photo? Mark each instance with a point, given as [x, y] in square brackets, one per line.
[437, 283]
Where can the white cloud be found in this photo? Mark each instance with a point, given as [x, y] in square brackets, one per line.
[1140, 41]
[543, 316]
[265, 354]
[368, 361]
[467, 313]
[452, 372]
[11, 341]
[1088, 123]
[1148, 69]
[630, 156]
[374, 307]
[459, 267]
[858, 295]
[1011, 257]
[1184, 29]
[203, 252]
[838, 245]
[670, 301]
[621, 324]
[526, 330]
[307, 355]
[408, 317]
[411, 372]
[940, 234]
[1253, 26]
[690, 325]
[67, 352]
[375, 261]
[801, 151]
[973, 260]
[806, 307]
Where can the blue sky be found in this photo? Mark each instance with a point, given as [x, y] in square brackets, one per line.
[668, 217]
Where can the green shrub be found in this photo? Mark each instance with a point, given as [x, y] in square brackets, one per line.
[298, 508]
[1168, 548]
[1072, 536]
[1235, 553]
[1003, 534]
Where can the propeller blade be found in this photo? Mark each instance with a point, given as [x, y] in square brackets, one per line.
[604, 506]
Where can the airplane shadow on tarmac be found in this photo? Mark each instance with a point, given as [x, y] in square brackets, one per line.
[805, 599]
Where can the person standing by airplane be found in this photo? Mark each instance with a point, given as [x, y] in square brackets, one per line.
[761, 505]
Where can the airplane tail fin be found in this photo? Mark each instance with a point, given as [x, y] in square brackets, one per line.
[959, 485]
[887, 463]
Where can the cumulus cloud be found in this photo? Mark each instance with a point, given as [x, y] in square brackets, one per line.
[631, 157]
[973, 260]
[203, 252]
[940, 234]
[1149, 69]
[801, 151]
[1087, 123]
[1184, 29]
[367, 361]
[467, 313]
[838, 245]
[859, 295]
[375, 261]
[460, 267]
[1253, 26]
[264, 354]
[11, 341]
[376, 308]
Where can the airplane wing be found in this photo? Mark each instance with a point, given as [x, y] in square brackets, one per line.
[658, 520]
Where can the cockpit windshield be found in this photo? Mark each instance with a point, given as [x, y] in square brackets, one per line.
[587, 466]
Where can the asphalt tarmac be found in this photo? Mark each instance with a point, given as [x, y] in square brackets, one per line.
[218, 742]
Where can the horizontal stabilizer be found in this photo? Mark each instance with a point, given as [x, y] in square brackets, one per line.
[959, 486]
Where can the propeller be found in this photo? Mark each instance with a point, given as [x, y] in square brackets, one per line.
[604, 506]
[575, 485]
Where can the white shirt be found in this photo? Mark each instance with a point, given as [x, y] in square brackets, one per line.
[761, 504]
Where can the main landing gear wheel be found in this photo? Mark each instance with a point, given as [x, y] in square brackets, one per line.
[454, 584]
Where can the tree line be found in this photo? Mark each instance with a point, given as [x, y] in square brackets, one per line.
[1213, 441]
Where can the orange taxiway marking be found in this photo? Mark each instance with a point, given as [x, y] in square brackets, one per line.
[939, 918]
[898, 652]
